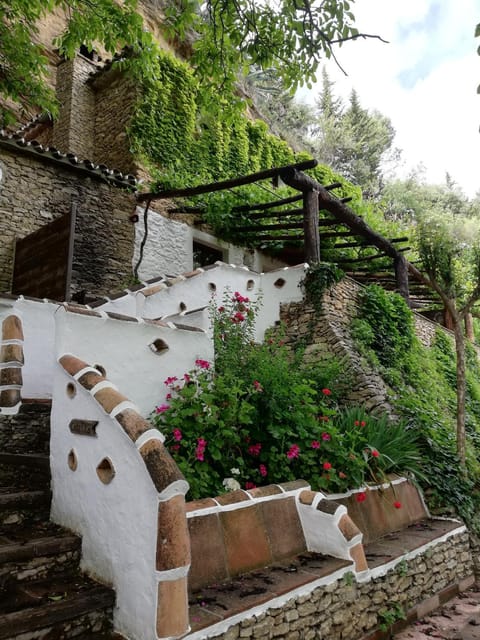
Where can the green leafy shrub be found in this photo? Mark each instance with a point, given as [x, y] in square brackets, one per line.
[254, 416]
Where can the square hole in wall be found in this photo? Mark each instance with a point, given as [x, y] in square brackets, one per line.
[204, 255]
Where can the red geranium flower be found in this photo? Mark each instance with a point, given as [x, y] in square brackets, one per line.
[293, 452]
[315, 444]
[361, 496]
[375, 453]
[326, 392]
[327, 466]
[397, 505]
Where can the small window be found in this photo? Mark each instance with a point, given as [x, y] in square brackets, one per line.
[250, 285]
[71, 390]
[279, 283]
[182, 306]
[159, 346]
[212, 287]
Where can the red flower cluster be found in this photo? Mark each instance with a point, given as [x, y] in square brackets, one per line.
[375, 453]
[361, 496]
[170, 380]
[258, 387]
[237, 297]
[177, 435]
[327, 466]
[326, 392]
[237, 317]
[162, 408]
[315, 444]
[250, 485]
[397, 505]
[254, 449]
[263, 470]
[293, 452]
[326, 436]
[203, 364]
[359, 423]
[200, 449]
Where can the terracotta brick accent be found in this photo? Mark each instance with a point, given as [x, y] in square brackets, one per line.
[283, 527]
[294, 484]
[194, 505]
[245, 539]
[173, 543]
[71, 364]
[109, 398]
[161, 466]
[348, 527]
[209, 562]
[11, 375]
[12, 353]
[90, 379]
[172, 608]
[328, 506]
[12, 328]
[232, 497]
[357, 553]
[263, 492]
[307, 497]
[133, 424]
[9, 397]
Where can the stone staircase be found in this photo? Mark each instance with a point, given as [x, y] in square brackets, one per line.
[43, 594]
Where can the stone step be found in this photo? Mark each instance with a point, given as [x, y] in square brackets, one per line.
[25, 470]
[35, 552]
[28, 431]
[67, 607]
[22, 507]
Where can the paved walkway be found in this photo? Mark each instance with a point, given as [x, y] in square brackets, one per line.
[458, 619]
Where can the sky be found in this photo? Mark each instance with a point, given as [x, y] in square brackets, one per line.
[425, 80]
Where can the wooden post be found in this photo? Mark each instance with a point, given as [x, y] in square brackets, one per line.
[401, 276]
[310, 226]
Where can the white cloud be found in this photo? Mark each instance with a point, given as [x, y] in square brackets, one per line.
[424, 80]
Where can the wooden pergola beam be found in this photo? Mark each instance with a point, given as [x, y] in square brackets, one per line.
[225, 184]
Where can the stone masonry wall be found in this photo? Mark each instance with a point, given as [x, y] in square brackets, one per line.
[349, 610]
[115, 98]
[73, 130]
[328, 333]
[33, 193]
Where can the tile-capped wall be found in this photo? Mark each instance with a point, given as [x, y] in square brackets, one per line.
[11, 363]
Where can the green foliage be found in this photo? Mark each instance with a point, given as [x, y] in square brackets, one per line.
[423, 382]
[257, 417]
[23, 80]
[385, 325]
[288, 36]
[318, 279]
[391, 615]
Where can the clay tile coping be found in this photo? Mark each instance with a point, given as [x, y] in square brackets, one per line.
[294, 484]
[187, 327]
[328, 506]
[71, 364]
[119, 294]
[196, 505]
[232, 497]
[83, 311]
[307, 497]
[120, 316]
[265, 492]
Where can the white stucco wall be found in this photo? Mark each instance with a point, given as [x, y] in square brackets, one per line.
[122, 348]
[117, 521]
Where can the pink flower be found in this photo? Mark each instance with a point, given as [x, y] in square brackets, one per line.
[315, 444]
[326, 392]
[168, 396]
[200, 449]
[361, 496]
[177, 435]
[257, 386]
[327, 466]
[203, 364]
[221, 309]
[186, 377]
[263, 470]
[170, 380]
[250, 485]
[397, 505]
[375, 453]
[238, 317]
[237, 297]
[363, 423]
[357, 423]
[326, 436]
[342, 475]
[293, 452]
[254, 449]
[162, 408]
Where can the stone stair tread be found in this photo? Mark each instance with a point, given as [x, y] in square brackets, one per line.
[23, 499]
[16, 551]
[43, 603]
[25, 459]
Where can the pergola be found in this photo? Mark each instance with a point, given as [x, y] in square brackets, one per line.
[266, 219]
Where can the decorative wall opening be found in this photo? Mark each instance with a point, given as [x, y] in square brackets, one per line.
[72, 460]
[159, 346]
[106, 471]
[71, 390]
[279, 283]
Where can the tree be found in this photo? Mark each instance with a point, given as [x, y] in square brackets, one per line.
[352, 140]
[450, 254]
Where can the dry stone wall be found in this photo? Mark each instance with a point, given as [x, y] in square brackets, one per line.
[34, 193]
[347, 609]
